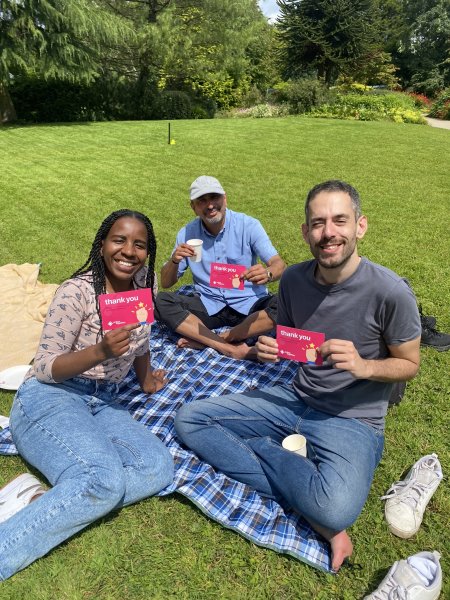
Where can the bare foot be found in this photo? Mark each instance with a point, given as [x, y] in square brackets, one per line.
[239, 351]
[341, 548]
[188, 343]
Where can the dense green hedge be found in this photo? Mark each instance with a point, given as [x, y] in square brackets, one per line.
[40, 101]
[302, 95]
[173, 105]
[108, 99]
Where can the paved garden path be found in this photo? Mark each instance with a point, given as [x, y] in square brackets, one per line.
[438, 123]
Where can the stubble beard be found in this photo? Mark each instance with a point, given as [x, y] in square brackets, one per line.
[332, 263]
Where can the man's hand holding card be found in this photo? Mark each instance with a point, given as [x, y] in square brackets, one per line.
[267, 349]
[342, 354]
[256, 274]
[229, 276]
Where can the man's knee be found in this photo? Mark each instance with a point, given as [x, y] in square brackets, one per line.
[337, 516]
[185, 421]
[171, 309]
[270, 306]
[335, 509]
[191, 418]
[162, 300]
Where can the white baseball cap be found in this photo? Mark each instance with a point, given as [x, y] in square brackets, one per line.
[205, 185]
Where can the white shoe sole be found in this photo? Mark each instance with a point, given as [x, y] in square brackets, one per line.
[405, 535]
[18, 493]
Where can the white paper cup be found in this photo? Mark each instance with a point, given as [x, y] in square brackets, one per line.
[295, 443]
[197, 246]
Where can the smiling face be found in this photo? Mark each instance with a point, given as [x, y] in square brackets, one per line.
[124, 252]
[332, 232]
[211, 209]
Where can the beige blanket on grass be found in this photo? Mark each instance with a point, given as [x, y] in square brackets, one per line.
[24, 305]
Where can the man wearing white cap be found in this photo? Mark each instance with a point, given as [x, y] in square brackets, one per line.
[228, 238]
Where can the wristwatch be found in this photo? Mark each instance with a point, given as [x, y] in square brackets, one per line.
[269, 275]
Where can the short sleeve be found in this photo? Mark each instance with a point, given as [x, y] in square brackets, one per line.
[181, 239]
[284, 313]
[260, 242]
[400, 315]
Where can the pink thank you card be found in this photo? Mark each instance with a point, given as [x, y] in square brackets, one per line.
[125, 308]
[299, 344]
[227, 276]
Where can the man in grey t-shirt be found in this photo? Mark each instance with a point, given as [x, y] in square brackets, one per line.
[372, 333]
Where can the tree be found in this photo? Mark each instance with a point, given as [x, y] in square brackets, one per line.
[418, 38]
[221, 61]
[134, 48]
[431, 49]
[200, 46]
[61, 39]
[375, 68]
[262, 53]
[325, 36]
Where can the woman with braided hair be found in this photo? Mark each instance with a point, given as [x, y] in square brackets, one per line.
[66, 420]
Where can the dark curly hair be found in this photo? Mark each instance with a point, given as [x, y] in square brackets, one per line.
[95, 265]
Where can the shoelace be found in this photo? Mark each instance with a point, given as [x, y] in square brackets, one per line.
[428, 329]
[415, 487]
[398, 593]
[391, 591]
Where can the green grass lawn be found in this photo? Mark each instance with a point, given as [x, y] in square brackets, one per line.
[57, 184]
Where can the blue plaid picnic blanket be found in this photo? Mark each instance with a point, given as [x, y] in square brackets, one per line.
[195, 374]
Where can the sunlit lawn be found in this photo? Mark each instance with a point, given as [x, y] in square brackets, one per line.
[56, 185]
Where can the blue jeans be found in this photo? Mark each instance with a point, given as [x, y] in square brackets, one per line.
[241, 435]
[93, 453]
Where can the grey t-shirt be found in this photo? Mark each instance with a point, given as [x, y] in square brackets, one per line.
[373, 308]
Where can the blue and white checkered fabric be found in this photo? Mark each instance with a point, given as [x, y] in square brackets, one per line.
[6, 444]
[195, 374]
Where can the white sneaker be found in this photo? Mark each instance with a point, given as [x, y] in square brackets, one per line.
[407, 499]
[419, 577]
[18, 493]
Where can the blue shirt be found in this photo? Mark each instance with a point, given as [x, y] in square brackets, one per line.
[240, 242]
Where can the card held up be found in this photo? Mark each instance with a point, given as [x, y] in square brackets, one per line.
[299, 344]
[126, 308]
[227, 276]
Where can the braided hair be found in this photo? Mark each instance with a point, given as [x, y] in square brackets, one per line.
[95, 265]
